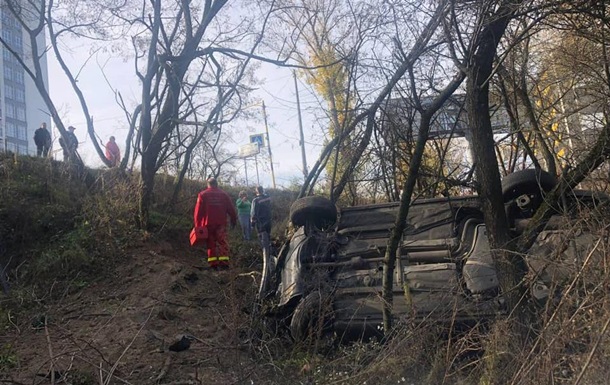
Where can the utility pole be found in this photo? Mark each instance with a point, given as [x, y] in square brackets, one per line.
[268, 144]
[302, 139]
[258, 181]
[246, 170]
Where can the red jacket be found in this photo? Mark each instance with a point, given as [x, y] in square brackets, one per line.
[113, 153]
[213, 206]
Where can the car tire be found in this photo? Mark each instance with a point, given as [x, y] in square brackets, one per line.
[528, 181]
[316, 209]
[312, 318]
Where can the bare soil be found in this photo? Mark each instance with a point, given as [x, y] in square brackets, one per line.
[118, 330]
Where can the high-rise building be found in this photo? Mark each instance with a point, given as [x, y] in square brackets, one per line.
[22, 109]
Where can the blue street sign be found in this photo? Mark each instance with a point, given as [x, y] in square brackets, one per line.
[258, 138]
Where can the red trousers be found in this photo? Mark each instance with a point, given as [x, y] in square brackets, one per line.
[218, 248]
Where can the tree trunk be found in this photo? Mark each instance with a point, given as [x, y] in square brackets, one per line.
[504, 79]
[510, 266]
[405, 200]
[364, 142]
[180, 177]
[147, 184]
[569, 180]
[419, 47]
[400, 223]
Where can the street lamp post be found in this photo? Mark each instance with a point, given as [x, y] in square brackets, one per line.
[246, 170]
[301, 136]
[258, 182]
[268, 144]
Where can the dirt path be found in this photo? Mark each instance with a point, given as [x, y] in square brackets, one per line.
[119, 331]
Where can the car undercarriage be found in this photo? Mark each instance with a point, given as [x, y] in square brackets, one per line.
[330, 271]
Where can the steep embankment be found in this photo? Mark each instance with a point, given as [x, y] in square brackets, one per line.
[120, 328]
[93, 300]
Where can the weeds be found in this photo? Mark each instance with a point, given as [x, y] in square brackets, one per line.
[4, 319]
[60, 235]
[567, 344]
[8, 358]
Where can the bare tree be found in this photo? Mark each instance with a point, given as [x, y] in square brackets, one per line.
[581, 83]
[165, 67]
[484, 63]
[188, 57]
[58, 19]
[492, 22]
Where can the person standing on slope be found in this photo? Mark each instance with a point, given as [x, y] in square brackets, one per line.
[243, 212]
[113, 153]
[42, 139]
[261, 218]
[212, 208]
[69, 144]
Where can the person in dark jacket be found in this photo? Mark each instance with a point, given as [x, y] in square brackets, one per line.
[69, 144]
[42, 139]
[212, 208]
[261, 217]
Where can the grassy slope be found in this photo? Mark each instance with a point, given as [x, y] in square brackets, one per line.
[86, 284]
[90, 291]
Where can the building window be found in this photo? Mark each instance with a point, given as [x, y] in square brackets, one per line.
[10, 110]
[7, 34]
[8, 73]
[9, 57]
[20, 113]
[13, 74]
[18, 40]
[13, 37]
[19, 77]
[20, 95]
[8, 20]
[22, 132]
[17, 148]
[11, 129]
[9, 91]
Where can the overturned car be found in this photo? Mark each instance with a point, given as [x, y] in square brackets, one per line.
[329, 273]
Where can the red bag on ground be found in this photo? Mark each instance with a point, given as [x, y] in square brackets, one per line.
[199, 235]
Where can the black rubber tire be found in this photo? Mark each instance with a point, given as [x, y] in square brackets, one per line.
[316, 209]
[528, 181]
[312, 318]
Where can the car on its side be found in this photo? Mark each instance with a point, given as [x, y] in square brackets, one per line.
[330, 269]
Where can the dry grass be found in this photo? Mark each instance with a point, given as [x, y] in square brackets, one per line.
[571, 347]
[567, 344]
[83, 225]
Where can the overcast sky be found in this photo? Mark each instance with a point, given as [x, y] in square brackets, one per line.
[277, 90]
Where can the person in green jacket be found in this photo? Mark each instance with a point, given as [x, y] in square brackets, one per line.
[243, 212]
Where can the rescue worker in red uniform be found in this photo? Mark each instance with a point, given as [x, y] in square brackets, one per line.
[213, 206]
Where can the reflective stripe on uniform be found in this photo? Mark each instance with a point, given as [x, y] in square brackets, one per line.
[213, 259]
[223, 258]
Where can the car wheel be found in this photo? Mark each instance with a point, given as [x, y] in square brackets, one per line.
[527, 182]
[312, 319]
[316, 209]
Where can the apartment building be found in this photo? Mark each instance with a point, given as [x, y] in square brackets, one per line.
[22, 109]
